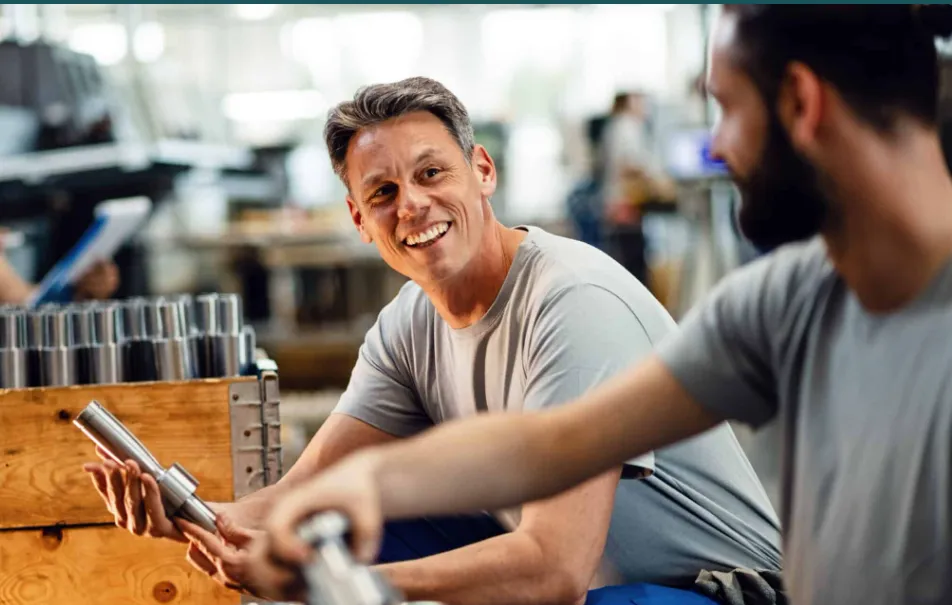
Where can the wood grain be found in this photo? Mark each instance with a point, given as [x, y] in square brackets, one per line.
[41, 453]
[100, 566]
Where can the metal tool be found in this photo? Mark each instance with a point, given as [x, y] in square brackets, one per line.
[175, 483]
[248, 345]
[58, 355]
[13, 353]
[138, 350]
[206, 326]
[173, 355]
[34, 344]
[105, 364]
[226, 343]
[82, 340]
[333, 577]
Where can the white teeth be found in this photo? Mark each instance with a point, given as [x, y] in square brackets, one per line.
[431, 233]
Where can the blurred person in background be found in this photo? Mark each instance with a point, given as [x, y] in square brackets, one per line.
[99, 282]
[498, 320]
[841, 334]
[631, 179]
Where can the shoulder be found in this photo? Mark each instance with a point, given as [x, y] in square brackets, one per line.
[567, 276]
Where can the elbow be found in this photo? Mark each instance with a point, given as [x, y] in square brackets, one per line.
[566, 587]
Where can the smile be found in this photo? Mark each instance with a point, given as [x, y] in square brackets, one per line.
[428, 237]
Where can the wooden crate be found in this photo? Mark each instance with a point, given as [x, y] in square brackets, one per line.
[57, 541]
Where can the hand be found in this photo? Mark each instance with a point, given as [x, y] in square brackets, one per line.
[99, 282]
[350, 487]
[133, 498]
[223, 557]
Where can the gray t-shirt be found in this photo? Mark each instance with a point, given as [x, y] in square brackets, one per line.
[864, 403]
[566, 319]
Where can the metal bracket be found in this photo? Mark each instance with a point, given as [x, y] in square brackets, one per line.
[247, 438]
[271, 420]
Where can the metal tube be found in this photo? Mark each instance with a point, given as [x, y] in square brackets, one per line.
[105, 353]
[175, 483]
[34, 338]
[57, 356]
[13, 355]
[138, 352]
[248, 344]
[225, 355]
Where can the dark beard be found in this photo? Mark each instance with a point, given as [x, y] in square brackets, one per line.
[781, 199]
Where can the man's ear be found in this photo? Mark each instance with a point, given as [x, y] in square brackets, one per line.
[800, 105]
[358, 219]
[485, 170]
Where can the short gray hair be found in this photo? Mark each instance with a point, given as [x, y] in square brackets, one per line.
[381, 102]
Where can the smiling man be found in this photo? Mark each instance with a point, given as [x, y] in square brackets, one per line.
[496, 320]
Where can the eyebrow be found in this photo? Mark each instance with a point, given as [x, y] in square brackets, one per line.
[374, 178]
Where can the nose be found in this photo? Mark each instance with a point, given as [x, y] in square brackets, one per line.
[411, 202]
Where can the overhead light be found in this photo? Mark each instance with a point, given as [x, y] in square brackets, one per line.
[106, 42]
[273, 106]
[148, 42]
[255, 12]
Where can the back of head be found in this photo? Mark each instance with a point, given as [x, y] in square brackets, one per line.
[381, 102]
[881, 58]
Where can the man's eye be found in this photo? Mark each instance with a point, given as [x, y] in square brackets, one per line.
[384, 191]
[431, 172]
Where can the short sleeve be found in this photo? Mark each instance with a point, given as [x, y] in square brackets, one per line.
[380, 390]
[722, 355]
[584, 335]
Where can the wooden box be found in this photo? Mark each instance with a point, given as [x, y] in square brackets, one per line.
[58, 543]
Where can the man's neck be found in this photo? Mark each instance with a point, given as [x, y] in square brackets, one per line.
[470, 295]
[891, 243]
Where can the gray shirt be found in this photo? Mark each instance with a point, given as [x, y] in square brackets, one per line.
[567, 318]
[864, 403]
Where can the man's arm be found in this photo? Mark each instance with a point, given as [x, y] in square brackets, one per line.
[550, 558]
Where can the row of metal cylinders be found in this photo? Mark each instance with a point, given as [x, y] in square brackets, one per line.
[136, 340]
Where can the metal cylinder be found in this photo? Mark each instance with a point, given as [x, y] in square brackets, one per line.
[12, 329]
[187, 310]
[225, 355]
[138, 351]
[248, 345]
[229, 314]
[332, 575]
[206, 313]
[105, 363]
[83, 340]
[34, 342]
[173, 359]
[13, 369]
[58, 355]
[176, 484]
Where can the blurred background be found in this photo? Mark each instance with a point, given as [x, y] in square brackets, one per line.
[595, 114]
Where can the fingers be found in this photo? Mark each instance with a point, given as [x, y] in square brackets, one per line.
[115, 488]
[210, 544]
[98, 476]
[367, 530]
[200, 561]
[157, 524]
[135, 510]
[231, 531]
[271, 579]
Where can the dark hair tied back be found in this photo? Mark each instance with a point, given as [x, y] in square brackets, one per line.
[936, 19]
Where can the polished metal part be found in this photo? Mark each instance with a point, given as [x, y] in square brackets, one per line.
[229, 314]
[13, 354]
[34, 342]
[225, 355]
[175, 483]
[81, 315]
[58, 354]
[173, 353]
[138, 351]
[333, 577]
[247, 356]
[105, 365]
[206, 313]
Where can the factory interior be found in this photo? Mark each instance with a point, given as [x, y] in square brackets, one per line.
[240, 275]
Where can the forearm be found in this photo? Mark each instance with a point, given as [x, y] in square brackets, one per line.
[507, 569]
[497, 461]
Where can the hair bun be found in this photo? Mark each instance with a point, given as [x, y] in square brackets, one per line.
[935, 18]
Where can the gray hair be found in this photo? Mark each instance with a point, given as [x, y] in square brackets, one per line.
[381, 102]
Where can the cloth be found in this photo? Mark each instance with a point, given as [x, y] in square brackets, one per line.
[416, 538]
[742, 587]
[567, 318]
[864, 403]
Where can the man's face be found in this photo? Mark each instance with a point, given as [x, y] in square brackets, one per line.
[415, 196]
[781, 200]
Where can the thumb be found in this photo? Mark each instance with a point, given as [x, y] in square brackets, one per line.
[233, 533]
[367, 532]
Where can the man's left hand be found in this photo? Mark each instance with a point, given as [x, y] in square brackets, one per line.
[224, 558]
[100, 282]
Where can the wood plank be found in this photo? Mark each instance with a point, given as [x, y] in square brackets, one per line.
[100, 566]
[41, 453]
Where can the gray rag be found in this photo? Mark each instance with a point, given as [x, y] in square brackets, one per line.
[742, 587]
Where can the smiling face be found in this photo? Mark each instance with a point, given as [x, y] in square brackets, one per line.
[414, 195]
